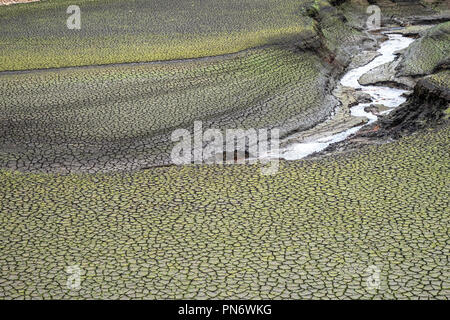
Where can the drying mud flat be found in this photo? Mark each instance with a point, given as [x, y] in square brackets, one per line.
[82, 195]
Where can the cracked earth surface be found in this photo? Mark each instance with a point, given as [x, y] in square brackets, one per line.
[310, 231]
[121, 117]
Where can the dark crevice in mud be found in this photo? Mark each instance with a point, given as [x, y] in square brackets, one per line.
[158, 166]
[445, 65]
[429, 20]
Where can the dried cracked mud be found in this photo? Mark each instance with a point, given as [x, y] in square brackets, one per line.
[310, 231]
[89, 211]
[111, 118]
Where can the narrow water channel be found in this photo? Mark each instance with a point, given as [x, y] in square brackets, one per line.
[390, 97]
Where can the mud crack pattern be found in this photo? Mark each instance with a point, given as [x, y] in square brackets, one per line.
[310, 231]
[121, 117]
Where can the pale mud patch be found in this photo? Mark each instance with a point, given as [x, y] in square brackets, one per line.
[9, 2]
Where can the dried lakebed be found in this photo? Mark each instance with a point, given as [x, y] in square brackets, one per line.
[215, 232]
[331, 131]
[146, 102]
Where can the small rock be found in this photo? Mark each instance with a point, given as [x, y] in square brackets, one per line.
[376, 109]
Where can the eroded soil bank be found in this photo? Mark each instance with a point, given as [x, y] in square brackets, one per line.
[426, 108]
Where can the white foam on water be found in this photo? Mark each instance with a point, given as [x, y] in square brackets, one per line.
[390, 97]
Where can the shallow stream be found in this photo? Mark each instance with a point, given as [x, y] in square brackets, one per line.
[389, 97]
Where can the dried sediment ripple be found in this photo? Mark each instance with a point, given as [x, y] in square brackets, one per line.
[121, 117]
[310, 231]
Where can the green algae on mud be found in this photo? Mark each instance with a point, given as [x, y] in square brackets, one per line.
[131, 31]
[212, 231]
[174, 94]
